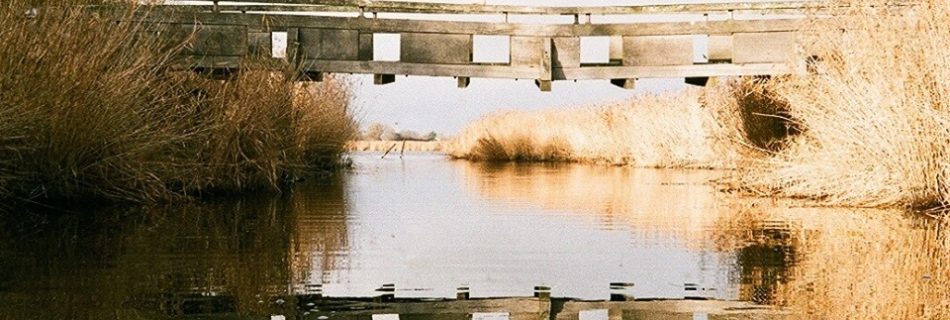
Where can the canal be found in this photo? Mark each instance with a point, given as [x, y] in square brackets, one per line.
[429, 225]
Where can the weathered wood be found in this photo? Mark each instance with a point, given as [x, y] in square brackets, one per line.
[719, 48]
[282, 22]
[463, 83]
[764, 47]
[658, 50]
[212, 40]
[425, 7]
[699, 70]
[381, 79]
[329, 44]
[526, 51]
[436, 48]
[422, 69]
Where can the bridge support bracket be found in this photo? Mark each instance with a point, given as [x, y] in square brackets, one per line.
[463, 82]
[628, 84]
[381, 79]
[697, 81]
[544, 85]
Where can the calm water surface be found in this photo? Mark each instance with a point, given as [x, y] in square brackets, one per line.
[428, 225]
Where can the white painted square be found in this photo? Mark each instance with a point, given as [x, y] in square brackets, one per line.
[491, 49]
[278, 317]
[386, 316]
[595, 49]
[597, 314]
[386, 46]
[700, 316]
[490, 316]
[278, 48]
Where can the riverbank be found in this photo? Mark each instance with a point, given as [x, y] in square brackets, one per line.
[108, 122]
[870, 131]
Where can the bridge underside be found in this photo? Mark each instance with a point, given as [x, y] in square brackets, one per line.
[224, 41]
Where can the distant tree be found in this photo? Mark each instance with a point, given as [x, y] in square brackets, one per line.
[375, 131]
[409, 135]
[431, 136]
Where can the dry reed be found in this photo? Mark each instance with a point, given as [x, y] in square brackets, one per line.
[874, 120]
[667, 130]
[90, 113]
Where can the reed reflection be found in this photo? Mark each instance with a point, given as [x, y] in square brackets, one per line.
[245, 256]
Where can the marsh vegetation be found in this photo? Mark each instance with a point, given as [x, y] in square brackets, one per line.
[92, 112]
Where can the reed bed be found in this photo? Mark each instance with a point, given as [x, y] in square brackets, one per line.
[90, 113]
[875, 123]
[675, 130]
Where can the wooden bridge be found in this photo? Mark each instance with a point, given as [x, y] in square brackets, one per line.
[694, 42]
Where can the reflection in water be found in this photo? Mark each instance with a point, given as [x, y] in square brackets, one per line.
[429, 225]
[825, 263]
[235, 256]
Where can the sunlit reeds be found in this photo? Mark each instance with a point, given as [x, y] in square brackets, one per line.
[666, 130]
[874, 120]
[90, 112]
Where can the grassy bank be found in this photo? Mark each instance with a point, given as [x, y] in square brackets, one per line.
[108, 122]
[876, 121]
[695, 128]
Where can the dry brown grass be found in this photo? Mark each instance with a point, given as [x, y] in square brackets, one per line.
[875, 121]
[90, 114]
[668, 130]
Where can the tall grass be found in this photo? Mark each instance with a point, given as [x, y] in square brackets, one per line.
[875, 121]
[90, 113]
[664, 130]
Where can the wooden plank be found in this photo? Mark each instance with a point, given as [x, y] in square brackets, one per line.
[699, 70]
[423, 69]
[658, 50]
[566, 52]
[426, 7]
[278, 22]
[366, 46]
[329, 44]
[526, 51]
[720, 48]
[764, 47]
[436, 48]
[212, 40]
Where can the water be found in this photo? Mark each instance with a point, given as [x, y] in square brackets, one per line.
[429, 225]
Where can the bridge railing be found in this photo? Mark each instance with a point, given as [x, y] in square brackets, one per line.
[220, 36]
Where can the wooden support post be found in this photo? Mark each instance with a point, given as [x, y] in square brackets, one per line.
[463, 82]
[402, 151]
[628, 84]
[381, 79]
[697, 81]
[385, 293]
[542, 292]
[621, 291]
[462, 293]
[547, 61]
